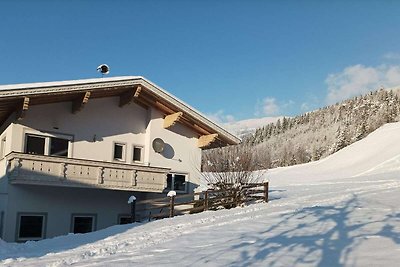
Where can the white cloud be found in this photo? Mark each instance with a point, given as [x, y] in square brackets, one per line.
[270, 107]
[360, 79]
[221, 117]
[305, 106]
[392, 56]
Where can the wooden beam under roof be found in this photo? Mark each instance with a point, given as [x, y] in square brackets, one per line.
[172, 119]
[80, 102]
[21, 112]
[129, 96]
[206, 140]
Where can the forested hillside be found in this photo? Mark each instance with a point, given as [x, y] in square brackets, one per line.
[317, 134]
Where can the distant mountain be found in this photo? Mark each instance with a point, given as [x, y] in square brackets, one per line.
[249, 126]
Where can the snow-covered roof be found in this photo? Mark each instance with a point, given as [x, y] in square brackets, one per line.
[57, 87]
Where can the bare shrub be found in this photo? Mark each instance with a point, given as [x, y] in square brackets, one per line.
[230, 168]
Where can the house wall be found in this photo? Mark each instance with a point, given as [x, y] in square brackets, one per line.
[93, 132]
[102, 120]
[60, 203]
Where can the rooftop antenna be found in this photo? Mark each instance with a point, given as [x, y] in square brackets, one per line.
[104, 69]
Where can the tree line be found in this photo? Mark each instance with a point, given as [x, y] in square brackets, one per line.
[317, 134]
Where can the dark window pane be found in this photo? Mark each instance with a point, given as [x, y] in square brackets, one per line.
[179, 182]
[34, 145]
[31, 226]
[124, 220]
[118, 149]
[83, 225]
[58, 147]
[169, 181]
[137, 154]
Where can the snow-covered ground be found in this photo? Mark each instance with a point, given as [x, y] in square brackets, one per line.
[340, 211]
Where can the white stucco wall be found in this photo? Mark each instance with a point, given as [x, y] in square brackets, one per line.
[104, 121]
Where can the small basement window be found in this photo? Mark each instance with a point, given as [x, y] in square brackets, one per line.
[35, 144]
[124, 219]
[176, 182]
[119, 152]
[31, 226]
[137, 153]
[83, 224]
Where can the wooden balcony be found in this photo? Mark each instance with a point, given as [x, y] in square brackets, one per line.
[55, 171]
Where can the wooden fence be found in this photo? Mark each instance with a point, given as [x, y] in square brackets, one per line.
[197, 202]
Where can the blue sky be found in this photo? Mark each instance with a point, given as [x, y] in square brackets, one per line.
[230, 59]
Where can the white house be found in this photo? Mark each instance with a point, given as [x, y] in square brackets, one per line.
[72, 152]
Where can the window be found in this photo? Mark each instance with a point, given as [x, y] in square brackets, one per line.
[31, 226]
[137, 154]
[119, 151]
[46, 145]
[83, 223]
[58, 147]
[124, 219]
[35, 144]
[176, 182]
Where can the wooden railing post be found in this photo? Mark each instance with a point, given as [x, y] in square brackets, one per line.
[171, 195]
[266, 188]
[206, 200]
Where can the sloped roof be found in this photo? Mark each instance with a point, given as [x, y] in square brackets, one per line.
[12, 97]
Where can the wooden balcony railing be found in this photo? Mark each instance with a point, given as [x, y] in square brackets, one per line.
[56, 171]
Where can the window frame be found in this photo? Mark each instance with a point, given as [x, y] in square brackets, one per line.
[173, 182]
[141, 153]
[123, 152]
[18, 226]
[47, 145]
[83, 215]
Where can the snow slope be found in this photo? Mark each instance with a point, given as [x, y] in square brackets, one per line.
[341, 211]
[378, 153]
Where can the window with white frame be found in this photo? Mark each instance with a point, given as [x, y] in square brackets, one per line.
[31, 226]
[35, 144]
[83, 223]
[47, 145]
[137, 154]
[176, 182]
[119, 151]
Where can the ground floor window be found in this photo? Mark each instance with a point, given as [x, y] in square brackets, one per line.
[31, 226]
[176, 182]
[83, 223]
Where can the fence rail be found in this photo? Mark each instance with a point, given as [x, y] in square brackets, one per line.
[198, 202]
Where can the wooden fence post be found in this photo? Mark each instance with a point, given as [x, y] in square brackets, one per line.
[172, 195]
[132, 201]
[266, 187]
[236, 197]
[206, 200]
